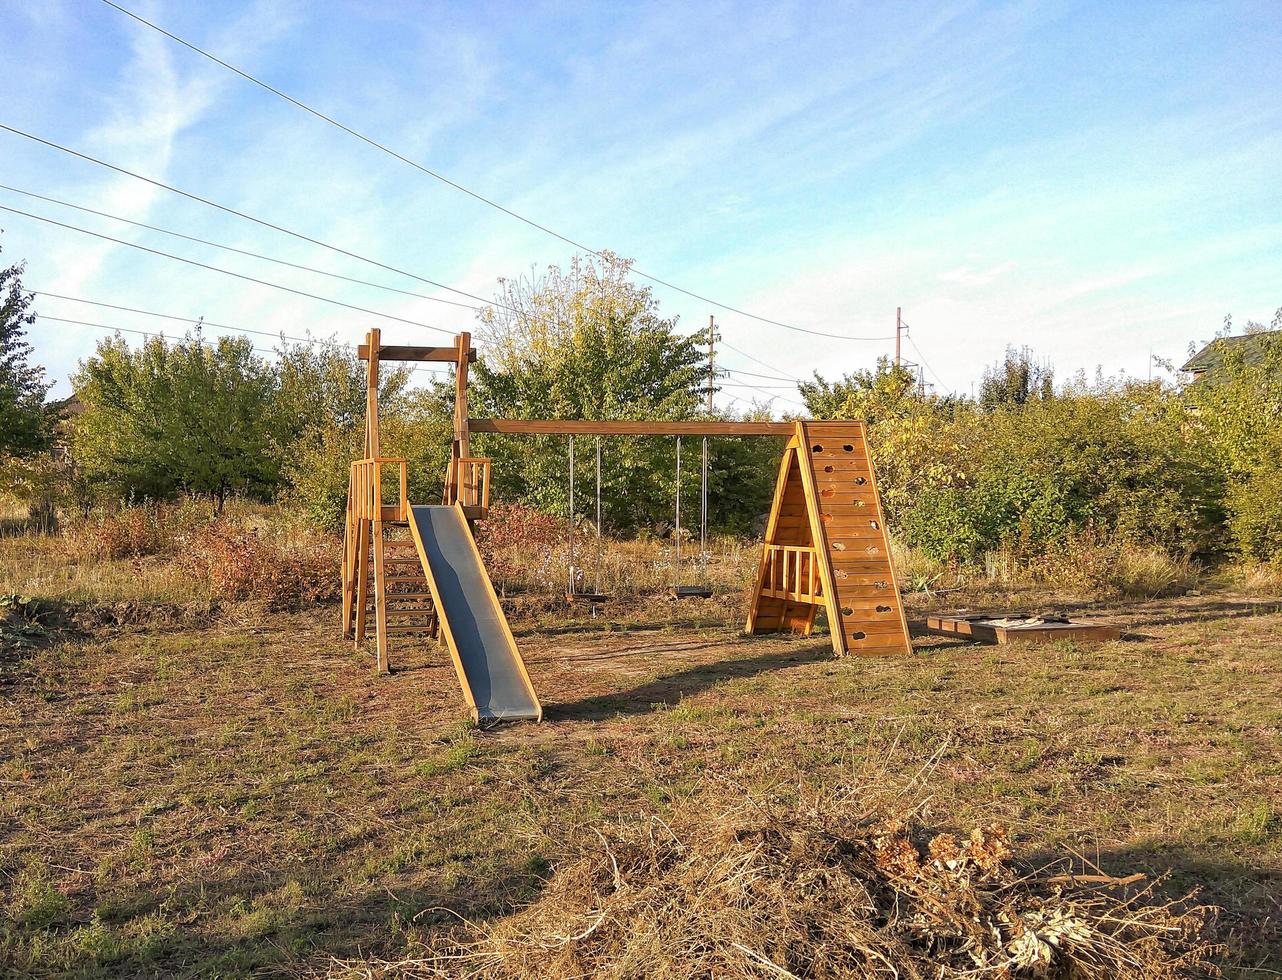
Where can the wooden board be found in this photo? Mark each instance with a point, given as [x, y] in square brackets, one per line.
[985, 629]
[575, 427]
[448, 355]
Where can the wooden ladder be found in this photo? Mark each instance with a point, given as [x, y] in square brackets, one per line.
[408, 597]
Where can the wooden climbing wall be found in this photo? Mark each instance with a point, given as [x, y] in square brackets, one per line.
[827, 545]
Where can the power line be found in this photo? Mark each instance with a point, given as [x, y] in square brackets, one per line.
[142, 333]
[161, 336]
[757, 360]
[203, 322]
[767, 377]
[226, 272]
[239, 214]
[238, 251]
[277, 228]
[771, 397]
[459, 187]
[927, 364]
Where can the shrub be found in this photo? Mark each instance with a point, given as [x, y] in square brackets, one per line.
[522, 545]
[240, 564]
[1255, 513]
[131, 532]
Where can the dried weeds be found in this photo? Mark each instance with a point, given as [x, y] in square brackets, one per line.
[823, 889]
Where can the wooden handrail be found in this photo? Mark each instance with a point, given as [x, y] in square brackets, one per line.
[792, 573]
[468, 481]
[367, 490]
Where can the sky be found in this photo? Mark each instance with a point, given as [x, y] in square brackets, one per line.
[1097, 181]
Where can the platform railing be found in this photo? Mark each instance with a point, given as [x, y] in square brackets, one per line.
[792, 573]
[468, 482]
[367, 485]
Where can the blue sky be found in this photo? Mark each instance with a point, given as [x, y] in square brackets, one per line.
[1098, 181]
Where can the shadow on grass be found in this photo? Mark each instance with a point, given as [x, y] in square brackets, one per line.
[1250, 925]
[269, 940]
[672, 688]
[1209, 611]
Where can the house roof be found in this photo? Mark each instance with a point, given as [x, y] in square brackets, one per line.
[1211, 357]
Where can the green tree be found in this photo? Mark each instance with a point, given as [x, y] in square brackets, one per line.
[26, 425]
[1016, 380]
[194, 416]
[586, 343]
[1238, 415]
[321, 422]
[884, 392]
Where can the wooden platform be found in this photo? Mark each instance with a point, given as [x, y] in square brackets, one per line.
[1020, 628]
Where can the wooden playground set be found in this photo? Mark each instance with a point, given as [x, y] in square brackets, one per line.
[416, 567]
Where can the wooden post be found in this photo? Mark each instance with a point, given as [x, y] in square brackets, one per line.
[371, 396]
[362, 579]
[349, 558]
[462, 446]
[380, 585]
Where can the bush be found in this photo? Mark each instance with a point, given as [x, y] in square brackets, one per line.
[241, 564]
[961, 481]
[131, 532]
[1255, 514]
[523, 545]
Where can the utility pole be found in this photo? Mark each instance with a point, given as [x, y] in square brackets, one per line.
[899, 327]
[712, 340]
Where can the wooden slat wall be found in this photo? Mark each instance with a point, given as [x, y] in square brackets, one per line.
[826, 497]
[866, 610]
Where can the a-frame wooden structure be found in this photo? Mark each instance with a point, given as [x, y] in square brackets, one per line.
[826, 546]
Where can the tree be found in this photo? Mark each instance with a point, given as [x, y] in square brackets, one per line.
[1239, 413]
[586, 343]
[321, 417]
[26, 425]
[885, 391]
[1017, 380]
[195, 416]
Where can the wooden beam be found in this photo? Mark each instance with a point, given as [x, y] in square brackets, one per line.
[394, 353]
[570, 427]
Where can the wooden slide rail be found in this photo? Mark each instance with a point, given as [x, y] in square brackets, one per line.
[792, 572]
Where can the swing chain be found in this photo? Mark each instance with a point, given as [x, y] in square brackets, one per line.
[571, 516]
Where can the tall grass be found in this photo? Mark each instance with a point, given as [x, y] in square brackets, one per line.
[176, 553]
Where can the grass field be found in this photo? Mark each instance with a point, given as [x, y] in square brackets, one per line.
[237, 792]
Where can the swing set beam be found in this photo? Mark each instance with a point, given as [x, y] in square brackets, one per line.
[574, 427]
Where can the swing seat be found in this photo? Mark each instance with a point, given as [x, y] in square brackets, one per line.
[588, 597]
[690, 591]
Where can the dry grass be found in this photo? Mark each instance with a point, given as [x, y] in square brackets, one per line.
[226, 795]
[220, 800]
[825, 887]
[1094, 564]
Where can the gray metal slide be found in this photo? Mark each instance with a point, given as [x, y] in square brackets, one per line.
[489, 666]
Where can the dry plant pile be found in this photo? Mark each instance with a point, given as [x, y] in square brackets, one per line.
[824, 889]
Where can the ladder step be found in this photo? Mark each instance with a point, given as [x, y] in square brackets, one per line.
[407, 596]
